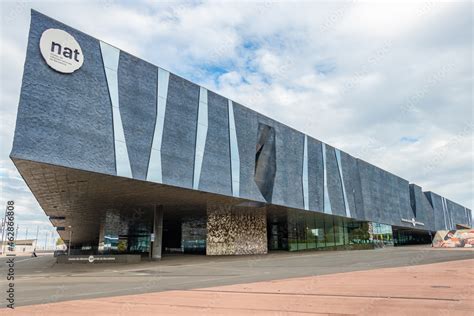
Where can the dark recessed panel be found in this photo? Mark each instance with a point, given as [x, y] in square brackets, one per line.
[179, 133]
[215, 172]
[315, 175]
[246, 125]
[137, 82]
[265, 161]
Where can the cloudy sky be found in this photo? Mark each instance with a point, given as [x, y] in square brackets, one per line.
[388, 82]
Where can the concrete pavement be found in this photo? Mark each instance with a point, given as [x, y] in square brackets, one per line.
[432, 289]
[40, 280]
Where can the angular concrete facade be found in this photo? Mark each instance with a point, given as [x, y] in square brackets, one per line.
[184, 139]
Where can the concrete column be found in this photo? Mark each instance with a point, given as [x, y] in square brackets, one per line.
[158, 231]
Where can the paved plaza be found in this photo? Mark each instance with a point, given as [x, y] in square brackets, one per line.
[283, 281]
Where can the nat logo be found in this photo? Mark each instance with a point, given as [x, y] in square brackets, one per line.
[61, 51]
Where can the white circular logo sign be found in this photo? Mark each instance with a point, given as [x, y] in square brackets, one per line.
[91, 259]
[61, 51]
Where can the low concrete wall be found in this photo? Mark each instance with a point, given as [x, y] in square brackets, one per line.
[99, 259]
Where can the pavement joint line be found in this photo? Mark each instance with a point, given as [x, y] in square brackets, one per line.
[322, 294]
[27, 259]
[231, 308]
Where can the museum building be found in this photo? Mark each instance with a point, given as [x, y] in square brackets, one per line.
[126, 157]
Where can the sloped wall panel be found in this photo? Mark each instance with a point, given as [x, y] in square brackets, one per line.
[424, 211]
[246, 124]
[64, 119]
[386, 197]
[288, 188]
[179, 134]
[334, 183]
[457, 213]
[137, 81]
[315, 175]
[215, 174]
[439, 217]
[352, 184]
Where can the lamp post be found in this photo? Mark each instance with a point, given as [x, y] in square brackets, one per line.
[69, 244]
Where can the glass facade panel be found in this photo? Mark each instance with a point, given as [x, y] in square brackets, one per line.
[338, 231]
[301, 230]
[319, 230]
[382, 234]
[329, 231]
[315, 230]
[292, 234]
[345, 231]
[406, 236]
[126, 231]
[358, 232]
[310, 230]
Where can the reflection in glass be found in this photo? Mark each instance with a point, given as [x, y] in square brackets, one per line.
[382, 234]
[329, 231]
[301, 230]
[358, 232]
[338, 231]
[292, 231]
[319, 230]
[310, 230]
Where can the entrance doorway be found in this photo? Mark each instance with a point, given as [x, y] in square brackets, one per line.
[409, 236]
[277, 229]
[184, 231]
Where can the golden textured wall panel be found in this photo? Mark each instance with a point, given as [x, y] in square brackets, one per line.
[236, 230]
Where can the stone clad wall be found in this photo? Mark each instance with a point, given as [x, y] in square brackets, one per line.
[236, 231]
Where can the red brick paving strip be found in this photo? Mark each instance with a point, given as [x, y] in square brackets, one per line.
[435, 289]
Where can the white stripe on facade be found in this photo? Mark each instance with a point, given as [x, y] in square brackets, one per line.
[110, 58]
[305, 174]
[154, 166]
[327, 203]
[234, 152]
[339, 166]
[201, 135]
[445, 212]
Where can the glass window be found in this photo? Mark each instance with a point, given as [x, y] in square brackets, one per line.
[310, 230]
[345, 222]
[301, 230]
[292, 235]
[338, 231]
[319, 230]
[329, 231]
[382, 234]
[358, 232]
